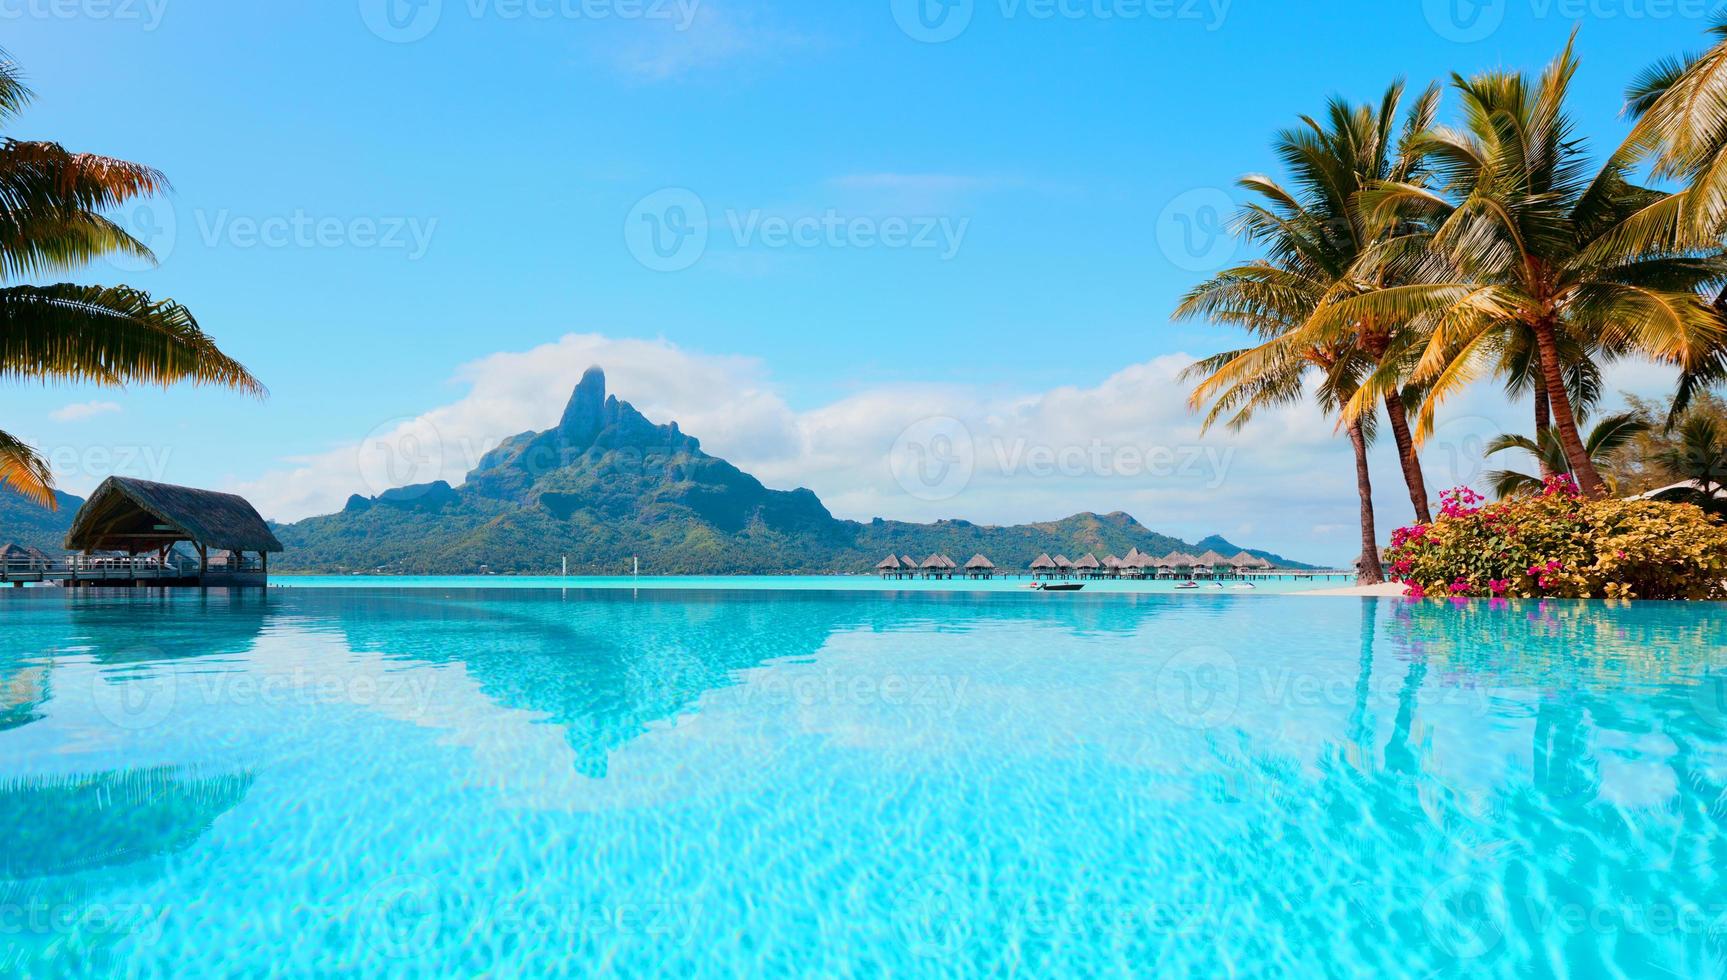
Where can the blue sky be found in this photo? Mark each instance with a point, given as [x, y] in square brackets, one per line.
[381, 215]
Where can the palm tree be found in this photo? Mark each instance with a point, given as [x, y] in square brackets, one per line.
[51, 218]
[1682, 130]
[1523, 242]
[1318, 221]
[1606, 439]
[1269, 300]
[1700, 457]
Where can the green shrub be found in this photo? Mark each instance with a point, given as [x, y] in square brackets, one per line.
[1559, 545]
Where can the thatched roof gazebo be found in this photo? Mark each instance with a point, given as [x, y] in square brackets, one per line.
[1044, 565]
[1088, 565]
[980, 567]
[890, 567]
[143, 517]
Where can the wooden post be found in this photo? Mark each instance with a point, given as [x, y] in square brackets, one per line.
[203, 562]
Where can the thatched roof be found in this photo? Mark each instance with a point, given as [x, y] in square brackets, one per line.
[1110, 561]
[890, 563]
[1062, 561]
[908, 561]
[932, 562]
[1042, 562]
[138, 515]
[1089, 561]
[1213, 558]
[1181, 559]
[1245, 560]
[980, 562]
[947, 562]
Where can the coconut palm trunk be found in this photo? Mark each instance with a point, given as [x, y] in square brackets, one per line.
[1564, 418]
[1412, 475]
[1543, 413]
[1370, 571]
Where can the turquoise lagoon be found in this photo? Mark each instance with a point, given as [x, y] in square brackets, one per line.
[454, 781]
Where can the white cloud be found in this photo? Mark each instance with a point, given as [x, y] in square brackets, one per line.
[79, 411]
[1127, 443]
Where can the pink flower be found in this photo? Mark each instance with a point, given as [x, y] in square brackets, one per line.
[1497, 586]
[1414, 591]
[1459, 502]
[1459, 587]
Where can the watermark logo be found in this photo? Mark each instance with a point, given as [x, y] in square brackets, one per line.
[401, 21]
[1709, 699]
[155, 225]
[400, 452]
[402, 916]
[1466, 917]
[1193, 230]
[934, 459]
[1464, 21]
[667, 231]
[1199, 687]
[933, 21]
[1455, 455]
[930, 914]
[135, 701]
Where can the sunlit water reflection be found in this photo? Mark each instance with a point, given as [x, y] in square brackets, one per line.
[551, 782]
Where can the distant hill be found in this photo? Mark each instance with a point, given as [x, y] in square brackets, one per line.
[607, 484]
[27, 523]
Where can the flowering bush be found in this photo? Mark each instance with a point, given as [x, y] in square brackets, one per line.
[1557, 544]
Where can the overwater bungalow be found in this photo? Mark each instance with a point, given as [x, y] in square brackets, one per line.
[934, 567]
[1111, 566]
[980, 567]
[1181, 564]
[1088, 567]
[143, 521]
[1063, 566]
[1043, 567]
[892, 567]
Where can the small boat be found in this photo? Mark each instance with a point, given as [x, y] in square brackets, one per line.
[1187, 585]
[1244, 586]
[1060, 586]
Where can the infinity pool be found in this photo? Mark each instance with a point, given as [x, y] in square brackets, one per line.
[540, 782]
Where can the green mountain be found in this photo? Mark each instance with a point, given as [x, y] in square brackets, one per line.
[24, 522]
[607, 485]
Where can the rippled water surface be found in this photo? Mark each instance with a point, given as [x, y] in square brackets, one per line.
[536, 781]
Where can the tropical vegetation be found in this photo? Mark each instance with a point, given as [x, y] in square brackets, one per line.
[1561, 543]
[54, 207]
[1606, 440]
[1401, 265]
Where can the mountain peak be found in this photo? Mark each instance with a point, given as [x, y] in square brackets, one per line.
[585, 414]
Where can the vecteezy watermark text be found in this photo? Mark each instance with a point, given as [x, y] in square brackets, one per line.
[936, 21]
[405, 21]
[670, 230]
[147, 14]
[1469, 21]
[937, 459]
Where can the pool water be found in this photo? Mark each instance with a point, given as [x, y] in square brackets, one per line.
[547, 782]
